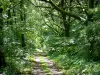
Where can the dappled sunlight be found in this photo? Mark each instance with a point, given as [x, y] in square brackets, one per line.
[44, 66]
[49, 37]
[37, 59]
[55, 71]
[39, 50]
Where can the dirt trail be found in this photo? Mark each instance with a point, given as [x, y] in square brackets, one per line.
[44, 66]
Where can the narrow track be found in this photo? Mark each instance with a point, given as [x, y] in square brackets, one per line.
[44, 66]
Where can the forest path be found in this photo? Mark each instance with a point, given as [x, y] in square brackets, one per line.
[44, 66]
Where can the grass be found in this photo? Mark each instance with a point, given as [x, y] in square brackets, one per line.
[44, 67]
[72, 65]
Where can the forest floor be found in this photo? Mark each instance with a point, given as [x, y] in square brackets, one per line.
[44, 66]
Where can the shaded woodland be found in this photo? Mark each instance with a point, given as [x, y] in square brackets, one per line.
[66, 31]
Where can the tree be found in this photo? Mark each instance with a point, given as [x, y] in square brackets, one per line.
[69, 11]
[2, 56]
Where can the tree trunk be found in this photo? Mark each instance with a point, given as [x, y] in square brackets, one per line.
[23, 18]
[23, 40]
[89, 19]
[2, 56]
[64, 20]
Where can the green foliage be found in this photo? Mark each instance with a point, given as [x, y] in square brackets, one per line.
[44, 27]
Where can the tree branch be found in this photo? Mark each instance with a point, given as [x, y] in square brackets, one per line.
[64, 12]
[43, 6]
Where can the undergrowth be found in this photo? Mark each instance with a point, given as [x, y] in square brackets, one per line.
[72, 65]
